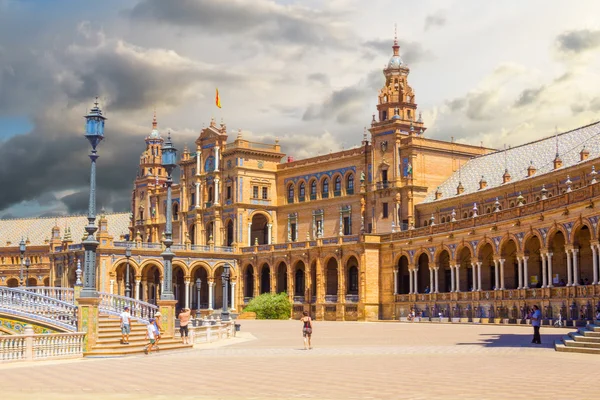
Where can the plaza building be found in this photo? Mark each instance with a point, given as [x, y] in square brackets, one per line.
[400, 221]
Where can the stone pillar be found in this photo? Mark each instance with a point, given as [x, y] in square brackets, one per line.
[575, 252]
[87, 320]
[431, 280]
[415, 271]
[479, 276]
[520, 272]
[544, 271]
[396, 280]
[137, 288]
[197, 205]
[187, 293]
[217, 191]
[452, 280]
[112, 284]
[211, 283]
[501, 273]
[474, 276]
[217, 156]
[232, 295]
[549, 255]
[411, 281]
[595, 263]
[496, 275]
[167, 320]
[437, 281]
[269, 228]
[525, 273]
[249, 233]
[457, 277]
[569, 272]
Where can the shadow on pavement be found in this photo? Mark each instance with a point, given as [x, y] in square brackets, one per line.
[513, 340]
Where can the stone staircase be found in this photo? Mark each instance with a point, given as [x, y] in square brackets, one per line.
[585, 340]
[109, 339]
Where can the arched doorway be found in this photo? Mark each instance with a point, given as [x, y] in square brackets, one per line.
[151, 283]
[534, 262]
[331, 280]
[249, 282]
[313, 281]
[209, 232]
[511, 266]
[218, 289]
[444, 273]
[352, 280]
[423, 274]
[556, 246]
[488, 275]
[229, 240]
[46, 282]
[581, 242]
[403, 276]
[12, 282]
[282, 278]
[299, 284]
[179, 286]
[121, 280]
[265, 279]
[192, 233]
[259, 230]
[466, 269]
[201, 274]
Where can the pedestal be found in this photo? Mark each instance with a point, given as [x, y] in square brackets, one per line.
[167, 309]
[87, 320]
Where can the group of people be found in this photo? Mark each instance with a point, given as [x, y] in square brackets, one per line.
[153, 330]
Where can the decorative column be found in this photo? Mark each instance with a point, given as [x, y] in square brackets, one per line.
[520, 271]
[595, 263]
[457, 277]
[411, 281]
[415, 271]
[569, 272]
[112, 284]
[575, 267]
[501, 273]
[544, 271]
[437, 281]
[496, 275]
[452, 281]
[249, 233]
[479, 276]
[431, 279]
[137, 288]
[217, 158]
[211, 283]
[225, 281]
[197, 205]
[217, 191]
[396, 280]
[232, 296]
[269, 234]
[549, 255]
[187, 293]
[525, 273]
[474, 276]
[198, 162]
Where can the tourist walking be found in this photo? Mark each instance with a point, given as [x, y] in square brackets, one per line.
[125, 325]
[184, 320]
[536, 320]
[306, 330]
[151, 336]
[157, 327]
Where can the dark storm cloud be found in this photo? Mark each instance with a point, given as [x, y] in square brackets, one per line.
[347, 105]
[529, 96]
[319, 77]
[477, 105]
[410, 52]
[262, 19]
[578, 41]
[434, 20]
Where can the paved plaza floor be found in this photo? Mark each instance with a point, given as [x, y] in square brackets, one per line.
[350, 360]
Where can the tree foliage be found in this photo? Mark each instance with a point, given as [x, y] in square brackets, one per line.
[270, 306]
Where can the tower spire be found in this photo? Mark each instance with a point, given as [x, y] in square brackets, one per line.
[154, 123]
[396, 47]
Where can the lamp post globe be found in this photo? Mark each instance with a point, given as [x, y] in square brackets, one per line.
[22, 248]
[169, 163]
[94, 133]
[127, 285]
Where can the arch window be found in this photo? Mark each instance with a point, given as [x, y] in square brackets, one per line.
[443, 220]
[290, 194]
[301, 191]
[175, 211]
[313, 189]
[350, 184]
[337, 186]
[325, 189]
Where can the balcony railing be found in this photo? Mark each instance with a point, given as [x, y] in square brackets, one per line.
[290, 200]
[352, 298]
[331, 298]
[383, 185]
[313, 196]
[325, 195]
[350, 191]
[301, 199]
[337, 193]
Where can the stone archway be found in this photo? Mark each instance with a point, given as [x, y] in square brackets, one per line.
[249, 282]
[331, 279]
[299, 279]
[444, 272]
[403, 276]
[259, 229]
[466, 269]
[199, 273]
[151, 283]
[581, 242]
[218, 289]
[12, 282]
[556, 245]
[229, 239]
[534, 262]
[511, 265]
[282, 278]
[352, 277]
[265, 279]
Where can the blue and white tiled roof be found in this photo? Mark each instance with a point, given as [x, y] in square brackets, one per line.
[517, 159]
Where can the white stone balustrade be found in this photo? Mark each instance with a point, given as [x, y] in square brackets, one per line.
[33, 347]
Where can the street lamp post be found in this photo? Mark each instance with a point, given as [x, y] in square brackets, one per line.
[127, 285]
[169, 162]
[94, 133]
[225, 281]
[22, 248]
[198, 284]
[27, 265]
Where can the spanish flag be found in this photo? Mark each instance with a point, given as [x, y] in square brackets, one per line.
[217, 99]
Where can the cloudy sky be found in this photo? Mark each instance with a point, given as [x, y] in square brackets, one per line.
[300, 70]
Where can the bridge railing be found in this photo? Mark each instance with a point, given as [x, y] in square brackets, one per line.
[114, 305]
[58, 293]
[43, 308]
[31, 347]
